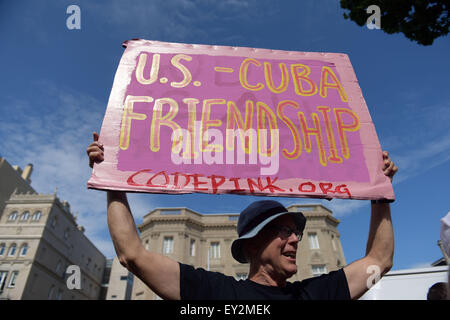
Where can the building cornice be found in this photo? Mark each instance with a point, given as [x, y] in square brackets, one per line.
[186, 220]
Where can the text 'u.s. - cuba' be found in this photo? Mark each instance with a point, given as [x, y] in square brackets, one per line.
[202, 141]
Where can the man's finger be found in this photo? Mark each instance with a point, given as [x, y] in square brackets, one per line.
[95, 136]
[96, 155]
[92, 149]
[389, 168]
[95, 145]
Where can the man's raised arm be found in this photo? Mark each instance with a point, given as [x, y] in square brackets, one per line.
[158, 272]
[380, 245]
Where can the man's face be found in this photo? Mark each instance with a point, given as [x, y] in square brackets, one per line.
[276, 252]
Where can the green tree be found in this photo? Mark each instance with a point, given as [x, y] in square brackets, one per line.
[419, 20]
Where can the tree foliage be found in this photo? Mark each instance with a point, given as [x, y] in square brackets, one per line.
[419, 20]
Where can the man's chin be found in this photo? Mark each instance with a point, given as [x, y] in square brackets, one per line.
[291, 271]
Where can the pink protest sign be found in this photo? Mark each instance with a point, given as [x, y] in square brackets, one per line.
[194, 118]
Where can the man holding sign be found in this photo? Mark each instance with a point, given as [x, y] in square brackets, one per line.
[268, 238]
[187, 118]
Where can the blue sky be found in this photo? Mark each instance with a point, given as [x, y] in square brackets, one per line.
[55, 85]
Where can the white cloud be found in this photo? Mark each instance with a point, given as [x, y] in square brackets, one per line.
[140, 205]
[413, 162]
[54, 141]
[422, 141]
[339, 207]
[420, 265]
[180, 20]
[343, 207]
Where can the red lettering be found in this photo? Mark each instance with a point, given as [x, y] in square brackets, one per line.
[150, 184]
[197, 183]
[271, 186]
[130, 180]
[309, 184]
[186, 182]
[215, 184]
[343, 189]
[255, 185]
[251, 183]
[237, 188]
[326, 187]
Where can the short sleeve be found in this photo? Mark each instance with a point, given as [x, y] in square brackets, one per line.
[199, 284]
[331, 286]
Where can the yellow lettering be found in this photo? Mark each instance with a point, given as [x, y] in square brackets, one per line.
[127, 116]
[243, 75]
[187, 77]
[206, 123]
[153, 71]
[158, 120]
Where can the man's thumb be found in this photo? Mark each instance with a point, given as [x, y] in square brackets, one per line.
[95, 136]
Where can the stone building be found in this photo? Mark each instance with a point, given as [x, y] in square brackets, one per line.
[39, 239]
[13, 179]
[120, 282]
[204, 240]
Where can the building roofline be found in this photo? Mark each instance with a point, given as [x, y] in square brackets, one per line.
[190, 210]
[310, 205]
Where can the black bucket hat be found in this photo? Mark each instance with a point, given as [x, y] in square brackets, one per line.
[255, 217]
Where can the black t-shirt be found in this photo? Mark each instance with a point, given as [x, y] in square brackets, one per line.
[199, 284]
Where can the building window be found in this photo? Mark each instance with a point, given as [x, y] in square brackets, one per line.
[54, 221]
[58, 266]
[24, 216]
[23, 250]
[147, 245]
[12, 216]
[192, 248]
[313, 241]
[318, 270]
[3, 275]
[215, 250]
[50, 293]
[66, 234]
[2, 249]
[36, 216]
[168, 245]
[241, 276]
[12, 250]
[12, 279]
[59, 294]
[333, 243]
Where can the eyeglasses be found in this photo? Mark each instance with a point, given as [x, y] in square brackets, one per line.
[285, 232]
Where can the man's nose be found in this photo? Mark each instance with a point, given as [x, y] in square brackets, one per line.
[293, 238]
